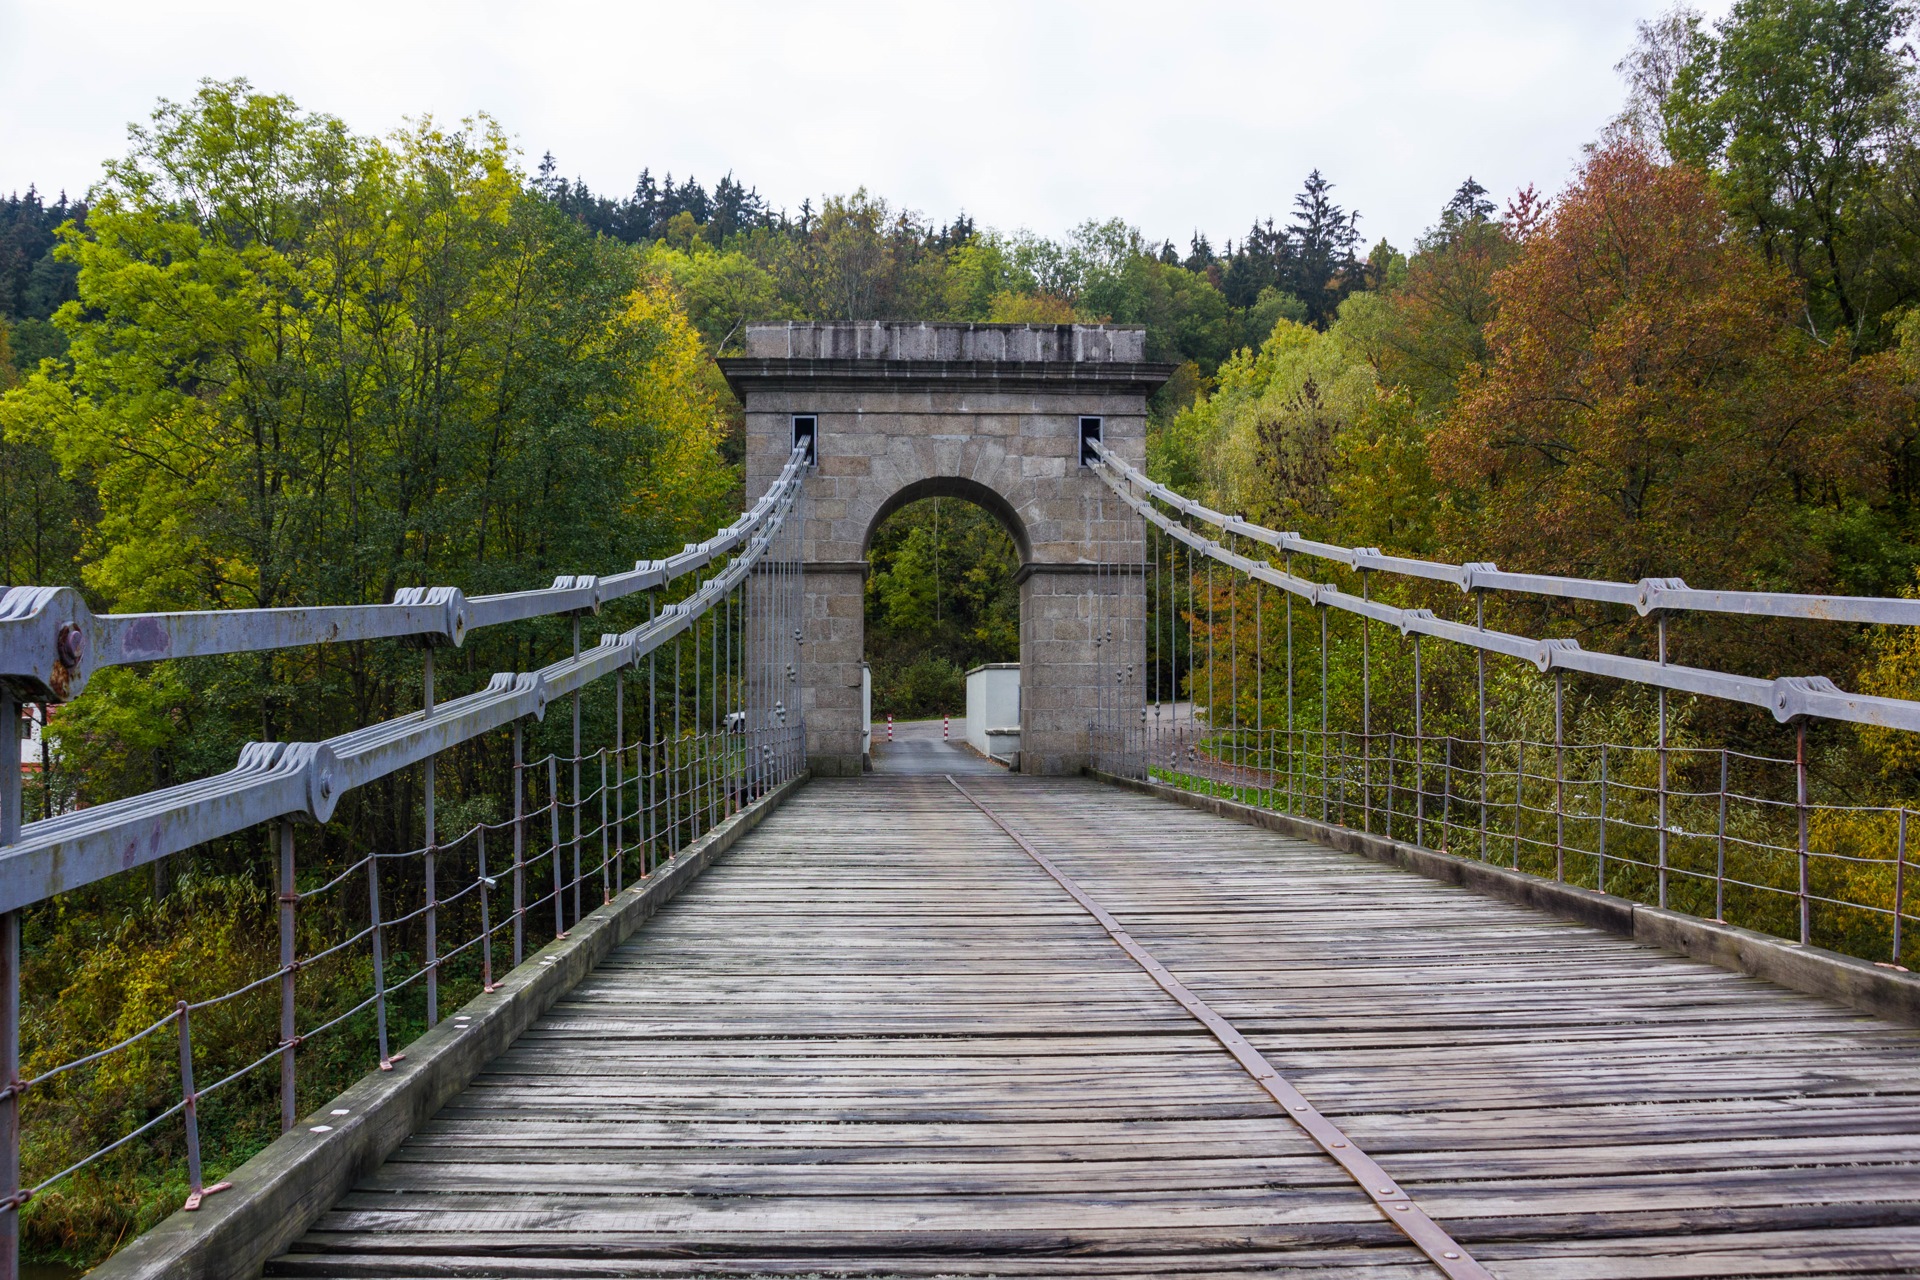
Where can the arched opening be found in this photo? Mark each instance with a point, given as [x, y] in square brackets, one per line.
[967, 491]
[942, 599]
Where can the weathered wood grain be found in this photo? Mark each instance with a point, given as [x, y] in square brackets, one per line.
[878, 1041]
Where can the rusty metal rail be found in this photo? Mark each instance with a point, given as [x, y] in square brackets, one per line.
[1396, 1206]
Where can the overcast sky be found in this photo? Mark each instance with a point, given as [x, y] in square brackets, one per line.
[1037, 114]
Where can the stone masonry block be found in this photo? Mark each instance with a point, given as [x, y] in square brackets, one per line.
[848, 465]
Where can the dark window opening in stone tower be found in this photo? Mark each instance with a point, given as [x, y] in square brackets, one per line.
[1089, 436]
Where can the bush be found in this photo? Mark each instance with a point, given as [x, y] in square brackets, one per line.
[920, 688]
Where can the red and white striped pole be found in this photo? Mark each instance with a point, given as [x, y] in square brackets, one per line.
[943, 728]
[889, 726]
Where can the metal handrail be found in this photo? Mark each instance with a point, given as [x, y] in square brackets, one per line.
[275, 779]
[1786, 697]
[1647, 596]
[51, 642]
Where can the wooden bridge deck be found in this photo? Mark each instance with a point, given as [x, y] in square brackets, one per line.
[878, 1040]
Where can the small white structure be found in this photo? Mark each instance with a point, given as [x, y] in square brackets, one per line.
[33, 753]
[866, 716]
[993, 710]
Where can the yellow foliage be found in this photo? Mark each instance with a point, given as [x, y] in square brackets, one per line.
[1029, 308]
[676, 397]
[1894, 672]
[1264, 442]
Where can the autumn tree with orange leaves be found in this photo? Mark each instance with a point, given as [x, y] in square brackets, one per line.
[1649, 405]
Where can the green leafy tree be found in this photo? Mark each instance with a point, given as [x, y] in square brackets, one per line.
[1804, 112]
[1382, 482]
[308, 367]
[1322, 268]
[41, 511]
[1264, 443]
[722, 290]
[1425, 328]
[1186, 317]
[861, 259]
[940, 600]
[978, 272]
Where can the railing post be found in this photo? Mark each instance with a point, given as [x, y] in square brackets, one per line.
[574, 794]
[1392, 751]
[1366, 709]
[1559, 778]
[673, 784]
[1720, 848]
[1293, 757]
[10, 823]
[1238, 758]
[1480, 690]
[519, 848]
[289, 1030]
[1899, 884]
[695, 797]
[430, 859]
[1172, 738]
[1261, 749]
[619, 783]
[1419, 755]
[1213, 695]
[650, 827]
[190, 1110]
[1600, 874]
[378, 933]
[486, 913]
[1519, 784]
[1326, 760]
[726, 720]
[716, 742]
[1663, 767]
[553, 831]
[1800, 812]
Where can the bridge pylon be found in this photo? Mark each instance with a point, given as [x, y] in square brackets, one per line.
[999, 415]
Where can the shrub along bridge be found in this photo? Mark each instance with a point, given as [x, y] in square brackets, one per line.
[1282, 954]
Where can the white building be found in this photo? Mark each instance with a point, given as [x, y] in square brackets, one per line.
[32, 745]
[993, 710]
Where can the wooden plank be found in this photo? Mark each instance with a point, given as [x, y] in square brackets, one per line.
[878, 1040]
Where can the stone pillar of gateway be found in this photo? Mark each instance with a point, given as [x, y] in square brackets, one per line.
[991, 413]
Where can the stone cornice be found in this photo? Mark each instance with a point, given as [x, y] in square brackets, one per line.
[748, 373]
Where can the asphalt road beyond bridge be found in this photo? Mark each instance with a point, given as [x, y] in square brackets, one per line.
[923, 748]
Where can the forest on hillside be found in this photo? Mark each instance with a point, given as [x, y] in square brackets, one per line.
[268, 361]
[1369, 393]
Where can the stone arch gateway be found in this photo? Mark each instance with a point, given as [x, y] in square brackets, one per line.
[991, 413]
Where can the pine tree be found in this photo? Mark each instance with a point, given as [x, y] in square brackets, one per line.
[1323, 269]
[1469, 204]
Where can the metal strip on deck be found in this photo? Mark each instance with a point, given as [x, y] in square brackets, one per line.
[1395, 1205]
[878, 1040]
